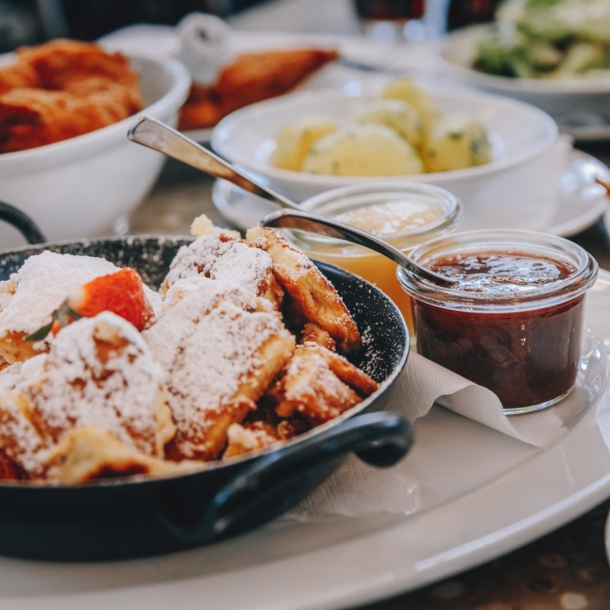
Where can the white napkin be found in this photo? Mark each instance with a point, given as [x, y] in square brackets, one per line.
[423, 382]
[358, 489]
[205, 46]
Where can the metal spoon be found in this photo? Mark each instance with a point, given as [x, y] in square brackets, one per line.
[303, 221]
[158, 136]
[161, 137]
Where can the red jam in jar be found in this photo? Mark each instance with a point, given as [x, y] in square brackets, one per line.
[513, 320]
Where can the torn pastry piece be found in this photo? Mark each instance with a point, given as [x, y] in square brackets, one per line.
[220, 354]
[250, 437]
[220, 256]
[98, 374]
[29, 297]
[319, 385]
[9, 471]
[260, 434]
[312, 296]
[312, 333]
[86, 454]
[202, 225]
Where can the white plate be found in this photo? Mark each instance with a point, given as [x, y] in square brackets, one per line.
[476, 494]
[579, 105]
[579, 202]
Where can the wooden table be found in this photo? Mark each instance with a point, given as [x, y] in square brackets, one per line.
[566, 569]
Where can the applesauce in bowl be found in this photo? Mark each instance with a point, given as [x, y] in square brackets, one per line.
[405, 214]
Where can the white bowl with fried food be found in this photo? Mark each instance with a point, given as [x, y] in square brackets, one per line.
[519, 134]
[83, 186]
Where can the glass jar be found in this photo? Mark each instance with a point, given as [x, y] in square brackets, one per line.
[361, 261]
[514, 323]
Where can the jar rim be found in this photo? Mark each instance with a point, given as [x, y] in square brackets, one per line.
[527, 242]
[355, 196]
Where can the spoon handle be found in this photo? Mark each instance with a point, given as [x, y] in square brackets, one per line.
[162, 138]
[303, 221]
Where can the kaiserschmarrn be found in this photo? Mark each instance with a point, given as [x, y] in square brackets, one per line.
[241, 349]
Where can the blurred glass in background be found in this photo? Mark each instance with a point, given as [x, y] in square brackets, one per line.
[25, 22]
[391, 19]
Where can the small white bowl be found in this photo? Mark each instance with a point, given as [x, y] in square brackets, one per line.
[82, 186]
[519, 132]
[578, 104]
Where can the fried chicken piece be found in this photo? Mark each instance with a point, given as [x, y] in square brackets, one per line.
[258, 76]
[224, 257]
[61, 63]
[251, 78]
[312, 296]
[220, 354]
[97, 374]
[36, 117]
[201, 109]
[63, 89]
[19, 75]
[319, 385]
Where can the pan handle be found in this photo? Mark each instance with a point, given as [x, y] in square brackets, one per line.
[380, 439]
[22, 222]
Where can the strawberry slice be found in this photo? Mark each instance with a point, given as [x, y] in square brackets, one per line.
[121, 293]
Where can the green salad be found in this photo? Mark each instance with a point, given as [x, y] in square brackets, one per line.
[547, 39]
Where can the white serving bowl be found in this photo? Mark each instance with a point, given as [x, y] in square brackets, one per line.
[82, 186]
[580, 105]
[520, 135]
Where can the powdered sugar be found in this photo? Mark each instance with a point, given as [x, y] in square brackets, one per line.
[207, 338]
[296, 268]
[154, 299]
[42, 284]
[222, 257]
[98, 373]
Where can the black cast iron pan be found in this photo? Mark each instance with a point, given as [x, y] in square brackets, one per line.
[138, 516]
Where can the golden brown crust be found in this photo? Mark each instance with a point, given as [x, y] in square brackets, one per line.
[207, 442]
[310, 388]
[9, 471]
[312, 296]
[312, 333]
[220, 354]
[348, 373]
[252, 77]
[249, 437]
[319, 385]
[86, 454]
[63, 89]
[14, 348]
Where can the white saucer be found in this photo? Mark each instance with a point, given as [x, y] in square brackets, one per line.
[580, 201]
